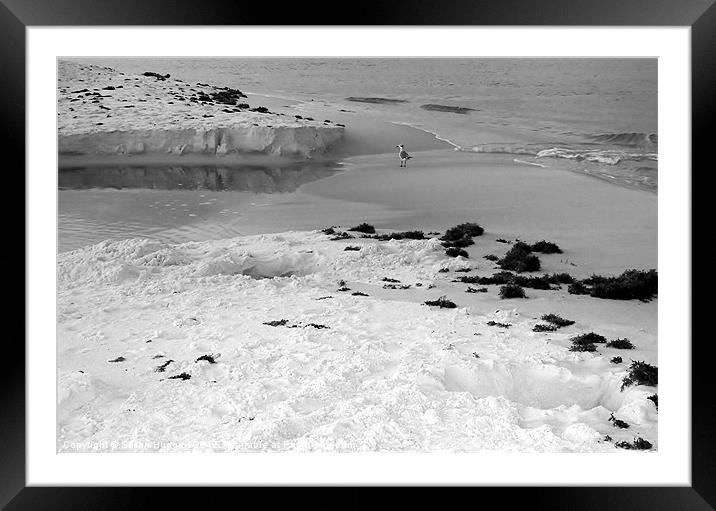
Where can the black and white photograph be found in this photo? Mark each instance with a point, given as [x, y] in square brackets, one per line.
[357, 255]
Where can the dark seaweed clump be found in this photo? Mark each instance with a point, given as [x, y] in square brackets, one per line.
[278, 322]
[364, 228]
[557, 320]
[520, 259]
[180, 376]
[546, 247]
[454, 252]
[512, 291]
[587, 338]
[630, 285]
[540, 327]
[441, 302]
[641, 373]
[638, 444]
[618, 423]
[501, 325]
[621, 344]
[406, 235]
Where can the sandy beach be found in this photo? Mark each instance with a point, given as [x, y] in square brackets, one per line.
[200, 296]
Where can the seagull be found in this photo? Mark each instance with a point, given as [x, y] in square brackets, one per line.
[403, 155]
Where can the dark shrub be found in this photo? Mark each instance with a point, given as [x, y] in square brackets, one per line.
[279, 322]
[474, 290]
[501, 325]
[583, 347]
[544, 328]
[364, 227]
[520, 259]
[441, 302]
[560, 278]
[632, 284]
[638, 444]
[181, 376]
[591, 337]
[654, 398]
[491, 257]
[358, 293]
[407, 235]
[556, 320]
[578, 288]
[388, 279]
[461, 243]
[532, 282]
[512, 291]
[208, 358]
[616, 360]
[465, 230]
[546, 247]
[621, 344]
[641, 373]
[618, 423]
[454, 252]
[316, 325]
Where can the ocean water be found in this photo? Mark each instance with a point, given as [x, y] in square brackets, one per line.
[597, 116]
[589, 116]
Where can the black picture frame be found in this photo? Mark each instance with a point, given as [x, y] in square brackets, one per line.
[700, 15]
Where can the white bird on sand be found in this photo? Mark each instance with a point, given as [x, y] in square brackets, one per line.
[403, 155]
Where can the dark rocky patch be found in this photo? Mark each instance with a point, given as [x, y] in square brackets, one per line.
[161, 368]
[501, 325]
[208, 358]
[118, 359]
[180, 376]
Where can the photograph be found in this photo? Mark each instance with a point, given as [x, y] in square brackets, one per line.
[357, 254]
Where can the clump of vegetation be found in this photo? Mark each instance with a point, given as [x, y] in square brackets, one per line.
[341, 236]
[443, 270]
[654, 398]
[407, 235]
[388, 279]
[557, 320]
[588, 346]
[544, 328]
[316, 326]
[471, 289]
[396, 286]
[546, 247]
[358, 293]
[180, 376]
[578, 288]
[632, 284]
[208, 358]
[560, 278]
[512, 291]
[501, 325]
[532, 282]
[351, 248]
[618, 423]
[502, 240]
[491, 257]
[454, 252]
[641, 373]
[441, 302]
[520, 259]
[161, 368]
[591, 337]
[616, 360]
[364, 228]
[118, 359]
[621, 344]
[638, 444]
[464, 230]
[278, 322]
